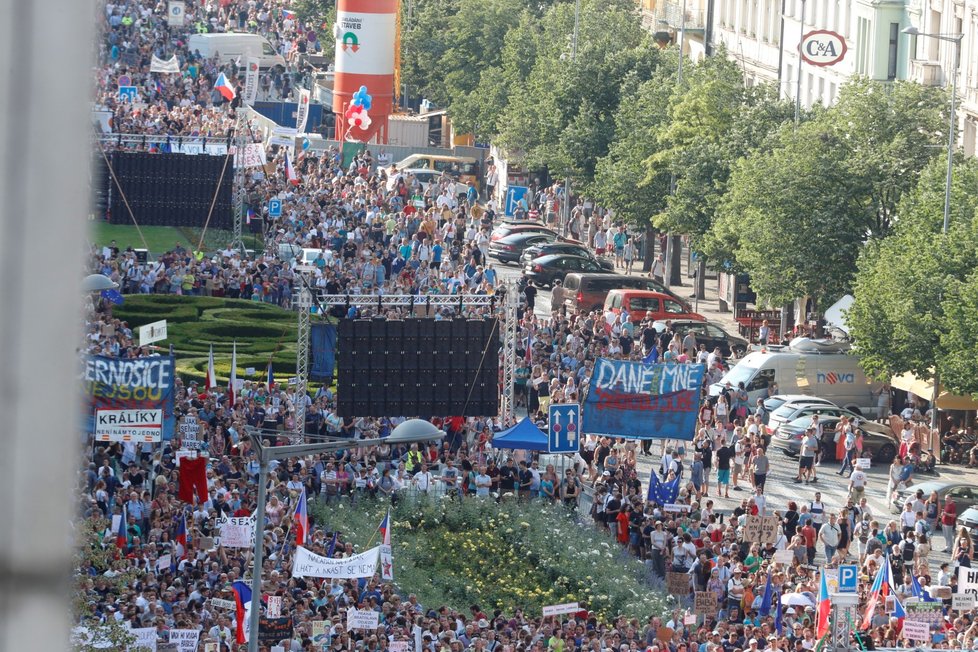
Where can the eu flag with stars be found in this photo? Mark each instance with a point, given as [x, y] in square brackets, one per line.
[113, 296]
[662, 493]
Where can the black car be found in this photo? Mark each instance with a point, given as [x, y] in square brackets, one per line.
[877, 439]
[708, 333]
[509, 248]
[547, 270]
[570, 248]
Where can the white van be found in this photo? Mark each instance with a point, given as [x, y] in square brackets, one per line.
[232, 46]
[810, 367]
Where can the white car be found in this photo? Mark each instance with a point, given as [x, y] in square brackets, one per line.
[425, 178]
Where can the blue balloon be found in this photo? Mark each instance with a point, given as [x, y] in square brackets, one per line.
[363, 89]
[367, 104]
[357, 101]
[305, 143]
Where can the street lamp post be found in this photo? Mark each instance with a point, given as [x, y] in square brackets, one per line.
[956, 39]
[567, 179]
[409, 432]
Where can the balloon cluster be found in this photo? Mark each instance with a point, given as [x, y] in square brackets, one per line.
[357, 114]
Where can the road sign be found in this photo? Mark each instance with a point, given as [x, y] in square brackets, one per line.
[513, 196]
[848, 578]
[275, 208]
[565, 428]
[128, 94]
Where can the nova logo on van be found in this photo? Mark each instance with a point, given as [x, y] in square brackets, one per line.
[832, 378]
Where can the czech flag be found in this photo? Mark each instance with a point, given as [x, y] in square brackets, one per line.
[121, 538]
[250, 215]
[224, 87]
[242, 603]
[822, 609]
[880, 589]
[211, 381]
[385, 529]
[301, 520]
[271, 378]
[290, 173]
[288, 14]
[181, 536]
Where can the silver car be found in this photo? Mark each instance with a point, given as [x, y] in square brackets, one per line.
[789, 410]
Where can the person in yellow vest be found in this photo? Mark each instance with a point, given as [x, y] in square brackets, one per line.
[414, 459]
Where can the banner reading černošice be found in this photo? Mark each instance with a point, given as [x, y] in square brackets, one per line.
[140, 383]
[640, 401]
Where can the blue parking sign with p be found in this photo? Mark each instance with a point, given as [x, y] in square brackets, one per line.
[848, 578]
[275, 208]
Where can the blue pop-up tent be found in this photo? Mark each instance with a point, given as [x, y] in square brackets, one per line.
[523, 436]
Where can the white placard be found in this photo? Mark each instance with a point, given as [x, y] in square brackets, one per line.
[145, 638]
[154, 332]
[237, 531]
[302, 111]
[186, 639]
[558, 609]
[189, 431]
[251, 81]
[916, 630]
[249, 371]
[963, 601]
[274, 606]
[129, 425]
[309, 564]
[163, 563]
[689, 619]
[399, 646]
[221, 603]
[783, 556]
[362, 619]
[967, 580]
[175, 13]
[253, 156]
[675, 507]
[864, 463]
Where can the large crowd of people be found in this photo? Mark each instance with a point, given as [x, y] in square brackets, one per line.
[375, 239]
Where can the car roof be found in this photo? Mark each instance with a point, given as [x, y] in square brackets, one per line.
[866, 426]
[551, 257]
[522, 235]
[640, 293]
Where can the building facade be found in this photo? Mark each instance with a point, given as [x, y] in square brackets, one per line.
[763, 36]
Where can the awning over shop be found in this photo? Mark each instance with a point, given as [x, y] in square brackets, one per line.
[925, 390]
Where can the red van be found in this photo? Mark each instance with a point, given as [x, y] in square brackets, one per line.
[644, 303]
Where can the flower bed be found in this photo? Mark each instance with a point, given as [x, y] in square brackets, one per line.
[504, 556]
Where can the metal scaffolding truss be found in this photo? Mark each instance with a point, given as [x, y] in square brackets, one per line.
[306, 297]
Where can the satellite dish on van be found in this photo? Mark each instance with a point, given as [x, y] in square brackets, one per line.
[808, 345]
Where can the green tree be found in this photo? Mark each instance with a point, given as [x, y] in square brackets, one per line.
[914, 288]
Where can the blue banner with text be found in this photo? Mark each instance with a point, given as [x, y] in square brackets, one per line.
[643, 401]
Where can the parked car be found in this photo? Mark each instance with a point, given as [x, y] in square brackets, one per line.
[564, 247]
[707, 333]
[969, 521]
[581, 292]
[642, 304]
[510, 249]
[804, 410]
[522, 226]
[549, 269]
[877, 439]
[963, 494]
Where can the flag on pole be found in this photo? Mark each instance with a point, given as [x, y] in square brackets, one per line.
[765, 609]
[250, 215]
[211, 381]
[301, 520]
[181, 537]
[662, 493]
[778, 616]
[879, 589]
[385, 529]
[652, 356]
[290, 173]
[288, 14]
[121, 538]
[332, 546]
[918, 591]
[242, 603]
[224, 87]
[234, 373]
[822, 608]
[271, 378]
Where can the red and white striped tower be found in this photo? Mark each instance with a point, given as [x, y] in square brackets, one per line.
[366, 35]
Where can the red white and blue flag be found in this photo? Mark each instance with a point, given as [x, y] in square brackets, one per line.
[385, 529]
[210, 381]
[823, 607]
[879, 591]
[301, 520]
[121, 538]
[271, 377]
[290, 172]
[224, 87]
[242, 604]
[181, 537]
[288, 14]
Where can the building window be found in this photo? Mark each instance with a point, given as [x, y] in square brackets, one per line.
[892, 52]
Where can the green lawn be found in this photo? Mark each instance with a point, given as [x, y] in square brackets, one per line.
[159, 239]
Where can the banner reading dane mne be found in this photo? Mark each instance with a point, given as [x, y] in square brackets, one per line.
[138, 384]
[640, 401]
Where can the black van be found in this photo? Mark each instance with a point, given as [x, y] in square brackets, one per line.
[583, 292]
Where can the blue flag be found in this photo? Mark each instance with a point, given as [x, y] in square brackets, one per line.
[778, 616]
[662, 493]
[653, 355]
[332, 546]
[765, 609]
[918, 591]
[113, 296]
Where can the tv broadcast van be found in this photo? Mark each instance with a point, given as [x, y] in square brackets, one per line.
[236, 46]
[812, 367]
